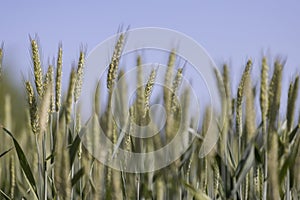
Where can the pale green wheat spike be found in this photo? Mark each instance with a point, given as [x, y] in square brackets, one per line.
[264, 99]
[148, 91]
[275, 94]
[216, 178]
[240, 95]
[79, 76]
[114, 64]
[250, 110]
[227, 86]
[226, 80]
[292, 99]
[49, 83]
[12, 171]
[97, 99]
[45, 108]
[258, 182]
[69, 100]
[33, 108]
[168, 80]
[140, 90]
[58, 79]
[37, 68]
[175, 87]
[272, 154]
[222, 91]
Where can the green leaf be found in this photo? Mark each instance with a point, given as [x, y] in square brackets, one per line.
[290, 161]
[23, 162]
[74, 148]
[5, 152]
[5, 196]
[293, 134]
[75, 144]
[198, 194]
[77, 176]
[258, 155]
[244, 166]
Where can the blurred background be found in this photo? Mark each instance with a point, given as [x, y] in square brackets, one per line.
[231, 32]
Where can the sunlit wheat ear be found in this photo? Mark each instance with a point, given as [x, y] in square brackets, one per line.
[250, 114]
[227, 86]
[78, 128]
[216, 178]
[264, 95]
[292, 99]
[114, 63]
[148, 91]
[45, 108]
[128, 139]
[222, 90]
[69, 100]
[275, 94]
[108, 183]
[48, 83]
[240, 95]
[168, 80]
[1, 58]
[140, 90]
[175, 88]
[12, 171]
[97, 99]
[37, 68]
[33, 108]
[258, 182]
[79, 76]
[272, 155]
[58, 79]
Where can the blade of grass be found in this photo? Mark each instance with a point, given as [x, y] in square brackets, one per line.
[23, 161]
[5, 152]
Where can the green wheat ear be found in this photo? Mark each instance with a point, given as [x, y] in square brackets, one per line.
[240, 95]
[69, 99]
[114, 64]
[37, 68]
[79, 76]
[58, 79]
[33, 108]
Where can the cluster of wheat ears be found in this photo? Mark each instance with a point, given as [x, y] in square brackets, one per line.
[251, 160]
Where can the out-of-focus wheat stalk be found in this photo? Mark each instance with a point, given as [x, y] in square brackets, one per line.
[69, 99]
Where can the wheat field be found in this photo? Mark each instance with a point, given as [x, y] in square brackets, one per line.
[42, 157]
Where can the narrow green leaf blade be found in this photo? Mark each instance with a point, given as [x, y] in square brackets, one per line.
[23, 162]
[5, 152]
[77, 176]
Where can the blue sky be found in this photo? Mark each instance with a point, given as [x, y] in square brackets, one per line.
[230, 31]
